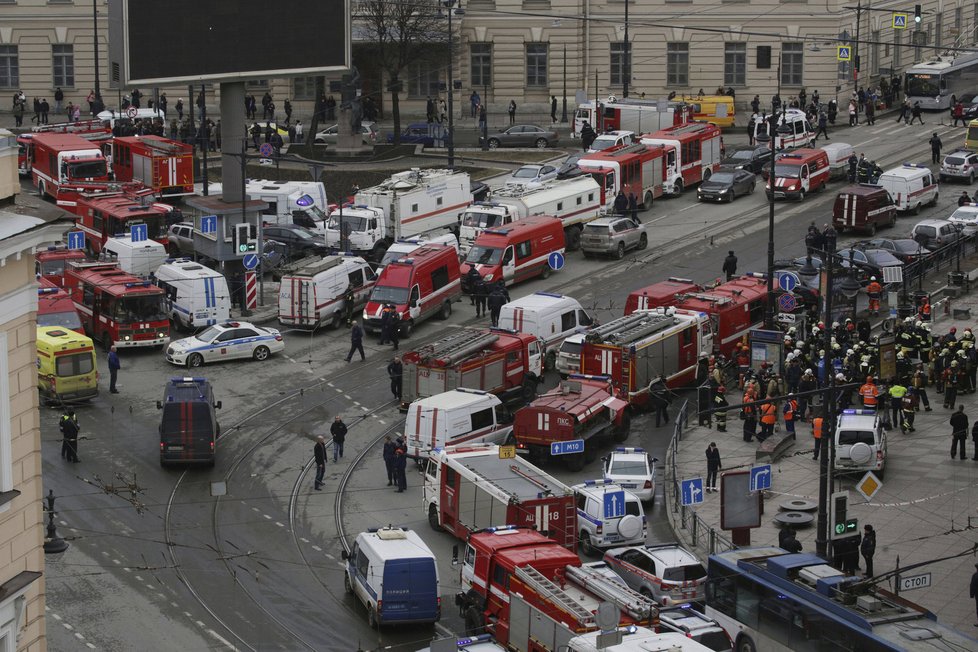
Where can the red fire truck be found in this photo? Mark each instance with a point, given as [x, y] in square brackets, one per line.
[55, 307]
[496, 360]
[470, 487]
[116, 307]
[581, 407]
[50, 263]
[62, 165]
[645, 346]
[631, 114]
[534, 596]
[734, 307]
[104, 215]
[695, 157]
[166, 166]
[94, 130]
[639, 169]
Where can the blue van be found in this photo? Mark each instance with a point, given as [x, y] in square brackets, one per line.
[394, 574]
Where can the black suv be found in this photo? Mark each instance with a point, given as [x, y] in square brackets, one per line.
[189, 428]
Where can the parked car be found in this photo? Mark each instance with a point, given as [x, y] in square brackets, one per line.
[960, 165]
[747, 157]
[935, 234]
[533, 173]
[610, 139]
[970, 102]
[522, 136]
[633, 469]
[330, 135]
[299, 241]
[870, 261]
[613, 236]
[904, 249]
[416, 132]
[726, 185]
[967, 217]
[667, 572]
[228, 341]
[180, 238]
[568, 168]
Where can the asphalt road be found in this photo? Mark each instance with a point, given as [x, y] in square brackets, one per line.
[246, 555]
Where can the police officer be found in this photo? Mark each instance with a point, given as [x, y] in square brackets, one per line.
[935, 148]
[659, 401]
[394, 326]
[348, 301]
[389, 448]
[385, 322]
[472, 279]
[68, 415]
[395, 370]
[69, 430]
[729, 265]
[496, 302]
[480, 298]
[400, 469]
[853, 164]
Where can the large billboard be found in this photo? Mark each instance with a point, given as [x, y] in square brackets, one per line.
[154, 43]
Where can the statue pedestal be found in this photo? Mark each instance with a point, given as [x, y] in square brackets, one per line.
[347, 142]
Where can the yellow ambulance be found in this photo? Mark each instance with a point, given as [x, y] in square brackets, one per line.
[66, 369]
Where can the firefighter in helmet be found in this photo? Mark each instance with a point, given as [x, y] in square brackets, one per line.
[875, 291]
[720, 404]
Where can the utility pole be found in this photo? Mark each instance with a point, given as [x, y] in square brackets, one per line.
[563, 110]
[773, 131]
[855, 49]
[450, 4]
[97, 105]
[627, 72]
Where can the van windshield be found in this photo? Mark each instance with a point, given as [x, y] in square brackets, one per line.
[351, 223]
[389, 294]
[480, 220]
[850, 437]
[479, 255]
[789, 171]
[187, 418]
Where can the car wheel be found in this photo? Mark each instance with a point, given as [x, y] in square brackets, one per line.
[745, 644]
[621, 431]
[751, 191]
[937, 196]
[433, 518]
[446, 310]
[586, 547]
[647, 201]
[372, 621]
[261, 353]
[893, 220]
[346, 584]
[493, 143]
[916, 209]
[643, 242]
[872, 229]
[545, 272]
[195, 360]
[620, 252]
[541, 143]
[733, 196]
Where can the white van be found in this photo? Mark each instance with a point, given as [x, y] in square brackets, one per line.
[839, 154]
[140, 258]
[792, 129]
[289, 202]
[195, 295]
[910, 186]
[314, 294]
[112, 116]
[459, 416]
[551, 317]
[394, 573]
[404, 248]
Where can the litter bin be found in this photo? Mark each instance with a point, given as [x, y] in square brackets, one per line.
[955, 278]
[905, 310]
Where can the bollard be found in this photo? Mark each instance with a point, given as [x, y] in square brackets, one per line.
[694, 530]
[53, 544]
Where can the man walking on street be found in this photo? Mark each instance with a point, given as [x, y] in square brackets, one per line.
[338, 430]
[319, 452]
[823, 123]
[396, 372]
[817, 434]
[356, 342]
[553, 109]
[959, 432]
[868, 548]
[389, 448]
[114, 367]
[935, 148]
[69, 429]
[69, 415]
[729, 265]
[713, 466]
[496, 302]
[915, 113]
[400, 469]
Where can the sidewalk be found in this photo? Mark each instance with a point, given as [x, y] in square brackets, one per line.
[923, 511]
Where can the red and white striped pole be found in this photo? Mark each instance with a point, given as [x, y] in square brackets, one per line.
[251, 290]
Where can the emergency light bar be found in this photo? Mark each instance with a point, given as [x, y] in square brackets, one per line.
[41, 291]
[549, 294]
[593, 483]
[864, 412]
[914, 165]
[629, 449]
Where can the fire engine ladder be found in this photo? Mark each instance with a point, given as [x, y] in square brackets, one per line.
[636, 605]
[549, 589]
[712, 298]
[652, 324]
[599, 333]
[458, 346]
[305, 314]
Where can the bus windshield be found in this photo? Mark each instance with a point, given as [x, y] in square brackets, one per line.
[86, 169]
[926, 85]
[137, 308]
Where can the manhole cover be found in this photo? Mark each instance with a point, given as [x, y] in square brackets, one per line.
[794, 518]
[799, 505]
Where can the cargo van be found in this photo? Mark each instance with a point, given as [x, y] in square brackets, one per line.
[196, 296]
[551, 317]
[838, 154]
[863, 207]
[140, 258]
[315, 294]
[518, 251]
[404, 248]
[459, 416]
[910, 186]
[55, 307]
[66, 368]
[393, 572]
[189, 427]
[799, 172]
[419, 287]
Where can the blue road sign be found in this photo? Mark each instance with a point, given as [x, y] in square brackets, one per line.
[76, 239]
[266, 150]
[138, 232]
[567, 447]
[899, 21]
[760, 477]
[556, 260]
[787, 302]
[844, 53]
[250, 261]
[614, 504]
[787, 281]
[208, 223]
[692, 491]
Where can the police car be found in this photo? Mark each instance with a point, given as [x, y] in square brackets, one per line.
[633, 469]
[595, 529]
[232, 339]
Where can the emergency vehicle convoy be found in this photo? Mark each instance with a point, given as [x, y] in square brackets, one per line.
[648, 345]
[468, 488]
[694, 157]
[630, 114]
[575, 201]
[532, 594]
[62, 165]
[166, 166]
[515, 252]
[104, 215]
[410, 203]
[734, 307]
[116, 307]
[502, 362]
[94, 130]
[799, 172]
[581, 407]
[639, 169]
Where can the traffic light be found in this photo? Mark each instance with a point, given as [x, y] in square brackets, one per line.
[243, 242]
[916, 14]
[842, 526]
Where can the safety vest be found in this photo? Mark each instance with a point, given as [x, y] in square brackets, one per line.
[873, 290]
[817, 427]
[748, 398]
[869, 393]
[898, 391]
[789, 409]
[769, 413]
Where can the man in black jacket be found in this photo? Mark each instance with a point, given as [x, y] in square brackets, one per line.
[959, 432]
[729, 265]
[319, 452]
[396, 372]
[713, 466]
[338, 430]
[400, 469]
[356, 341]
[389, 448]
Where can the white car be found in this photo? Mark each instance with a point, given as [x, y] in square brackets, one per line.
[967, 216]
[597, 530]
[610, 139]
[227, 341]
[666, 571]
[532, 174]
[633, 469]
[331, 135]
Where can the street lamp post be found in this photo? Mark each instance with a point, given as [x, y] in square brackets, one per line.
[450, 5]
[97, 105]
[772, 130]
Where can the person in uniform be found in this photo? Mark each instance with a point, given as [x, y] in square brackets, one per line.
[720, 404]
[395, 370]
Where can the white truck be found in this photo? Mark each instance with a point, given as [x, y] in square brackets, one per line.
[408, 204]
[289, 202]
[575, 201]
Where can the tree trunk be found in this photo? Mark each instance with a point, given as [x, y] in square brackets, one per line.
[395, 86]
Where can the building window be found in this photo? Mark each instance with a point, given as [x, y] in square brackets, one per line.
[617, 65]
[792, 64]
[536, 64]
[423, 80]
[677, 64]
[735, 64]
[306, 88]
[256, 83]
[9, 67]
[63, 58]
[481, 60]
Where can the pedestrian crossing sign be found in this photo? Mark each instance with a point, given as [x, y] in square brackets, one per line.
[899, 21]
[844, 53]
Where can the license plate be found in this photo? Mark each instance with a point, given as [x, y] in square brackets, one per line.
[175, 448]
[629, 486]
[779, 195]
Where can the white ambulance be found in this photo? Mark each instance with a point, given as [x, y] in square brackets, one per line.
[910, 186]
[459, 416]
[315, 294]
[551, 317]
[196, 295]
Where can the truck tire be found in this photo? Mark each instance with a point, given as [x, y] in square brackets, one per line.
[745, 644]
[621, 432]
[572, 238]
[871, 231]
[647, 200]
[545, 272]
[446, 310]
[550, 360]
[575, 462]
[433, 518]
[474, 621]
[529, 390]
[406, 329]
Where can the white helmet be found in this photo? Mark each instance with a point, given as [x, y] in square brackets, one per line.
[872, 278]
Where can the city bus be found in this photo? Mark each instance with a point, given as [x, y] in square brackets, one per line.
[769, 600]
[932, 83]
